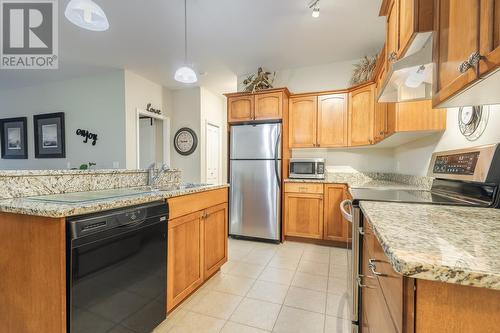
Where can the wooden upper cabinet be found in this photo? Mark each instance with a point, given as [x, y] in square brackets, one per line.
[392, 35]
[490, 36]
[240, 108]
[406, 20]
[332, 120]
[215, 238]
[335, 227]
[361, 116]
[268, 106]
[456, 38]
[303, 122]
[260, 106]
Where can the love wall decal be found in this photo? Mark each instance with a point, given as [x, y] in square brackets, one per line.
[87, 135]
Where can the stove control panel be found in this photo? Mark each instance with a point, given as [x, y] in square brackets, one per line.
[457, 164]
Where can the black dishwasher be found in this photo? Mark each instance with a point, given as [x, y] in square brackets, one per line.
[117, 262]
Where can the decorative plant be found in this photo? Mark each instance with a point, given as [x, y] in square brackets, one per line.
[259, 81]
[363, 71]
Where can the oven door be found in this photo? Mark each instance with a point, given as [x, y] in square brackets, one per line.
[118, 279]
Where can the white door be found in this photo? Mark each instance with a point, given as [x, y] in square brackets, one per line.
[213, 154]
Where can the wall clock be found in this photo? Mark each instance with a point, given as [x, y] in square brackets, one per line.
[472, 121]
[185, 141]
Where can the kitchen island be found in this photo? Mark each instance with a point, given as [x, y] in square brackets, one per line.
[33, 258]
[431, 268]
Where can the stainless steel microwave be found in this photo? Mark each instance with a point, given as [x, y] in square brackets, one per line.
[307, 168]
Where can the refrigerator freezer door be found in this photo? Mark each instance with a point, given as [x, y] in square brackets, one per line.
[255, 199]
[259, 141]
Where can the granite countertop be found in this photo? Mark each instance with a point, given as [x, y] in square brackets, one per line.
[443, 243]
[28, 206]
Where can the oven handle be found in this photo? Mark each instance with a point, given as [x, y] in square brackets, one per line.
[343, 205]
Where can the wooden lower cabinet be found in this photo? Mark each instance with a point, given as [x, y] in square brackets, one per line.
[304, 215]
[312, 210]
[215, 236]
[335, 227]
[391, 302]
[185, 257]
[197, 242]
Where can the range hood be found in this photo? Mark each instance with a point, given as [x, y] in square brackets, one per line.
[410, 78]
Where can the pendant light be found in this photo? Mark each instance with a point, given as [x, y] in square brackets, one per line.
[87, 15]
[185, 74]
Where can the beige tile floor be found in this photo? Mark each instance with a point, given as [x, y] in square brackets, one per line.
[291, 287]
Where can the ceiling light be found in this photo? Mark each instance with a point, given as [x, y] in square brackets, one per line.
[87, 15]
[415, 79]
[185, 74]
[314, 5]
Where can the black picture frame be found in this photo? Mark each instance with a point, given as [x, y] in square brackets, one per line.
[195, 141]
[50, 139]
[17, 128]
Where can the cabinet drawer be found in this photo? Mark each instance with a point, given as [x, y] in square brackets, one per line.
[186, 204]
[316, 188]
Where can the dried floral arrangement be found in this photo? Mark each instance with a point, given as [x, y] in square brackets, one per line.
[259, 81]
[363, 71]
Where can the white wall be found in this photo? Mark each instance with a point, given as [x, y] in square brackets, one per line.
[213, 111]
[186, 112]
[360, 159]
[315, 78]
[414, 157]
[140, 91]
[94, 103]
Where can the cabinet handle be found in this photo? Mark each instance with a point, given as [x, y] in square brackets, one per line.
[472, 62]
[381, 133]
[373, 267]
[392, 56]
[358, 279]
[361, 231]
[303, 189]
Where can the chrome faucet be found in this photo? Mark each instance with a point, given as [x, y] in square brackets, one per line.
[155, 174]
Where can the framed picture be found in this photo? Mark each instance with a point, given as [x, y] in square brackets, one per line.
[14, 138]
[49, 135]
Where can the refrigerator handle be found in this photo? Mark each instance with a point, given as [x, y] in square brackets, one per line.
[276, 154]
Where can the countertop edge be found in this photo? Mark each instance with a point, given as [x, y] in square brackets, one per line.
[433, 272]
[68, 210]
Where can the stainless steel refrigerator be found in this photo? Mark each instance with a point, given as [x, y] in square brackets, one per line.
[255, 177]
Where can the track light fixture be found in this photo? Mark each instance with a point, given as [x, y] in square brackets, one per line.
[314, 5]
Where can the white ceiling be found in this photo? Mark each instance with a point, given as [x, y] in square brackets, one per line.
[226, 38]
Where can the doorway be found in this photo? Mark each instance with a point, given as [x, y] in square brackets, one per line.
[213, 148]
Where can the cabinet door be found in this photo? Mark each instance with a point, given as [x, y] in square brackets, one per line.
[335, 227]
[374, 308]
[215, 238]
[185, 257]
[332, 120]
[304, 215]
[268, 106]
[361, 116]
[380, 121]
[456, 37]
[303, 121]
[240, 108]
[406, 21]
[392, 37]
[490, 36]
